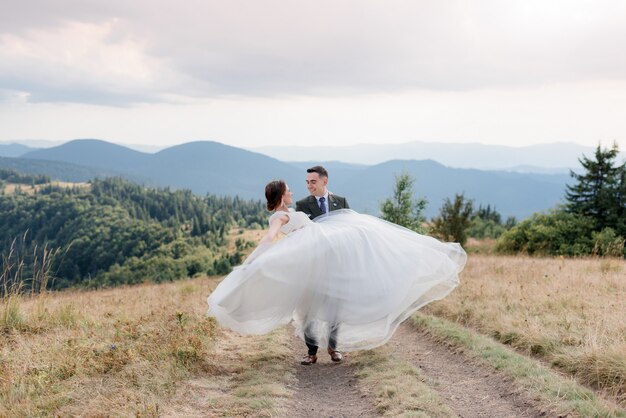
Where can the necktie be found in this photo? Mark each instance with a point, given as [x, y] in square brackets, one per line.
[322, 205]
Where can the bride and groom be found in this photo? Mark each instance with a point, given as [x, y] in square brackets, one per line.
[344, 280]
[319, 202]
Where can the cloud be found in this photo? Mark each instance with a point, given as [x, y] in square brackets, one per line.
[119, 52]
[81, 62]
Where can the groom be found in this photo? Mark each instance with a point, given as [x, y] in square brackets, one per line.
[319, 203]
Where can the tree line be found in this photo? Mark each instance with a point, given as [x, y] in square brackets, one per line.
[458, 218]
[591, 222]
[12, 176]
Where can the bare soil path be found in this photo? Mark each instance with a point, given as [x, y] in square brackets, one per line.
[328, 389]
[333, 390]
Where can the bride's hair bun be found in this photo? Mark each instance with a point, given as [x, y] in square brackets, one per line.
[274, 192]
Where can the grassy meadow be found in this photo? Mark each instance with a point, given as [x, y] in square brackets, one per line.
[9, 188]
[570, 313]
[147, 350]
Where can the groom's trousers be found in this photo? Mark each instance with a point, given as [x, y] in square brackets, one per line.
[312, 343]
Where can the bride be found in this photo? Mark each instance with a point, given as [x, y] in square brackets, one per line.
[353, 272]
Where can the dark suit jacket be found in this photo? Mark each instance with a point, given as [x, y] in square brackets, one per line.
[309, 205]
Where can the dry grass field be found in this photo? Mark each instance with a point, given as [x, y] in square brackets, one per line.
[133, 351]
[149, 350]
[570, 313]
[10, 188]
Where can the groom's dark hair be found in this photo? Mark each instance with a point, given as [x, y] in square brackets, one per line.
[319, 170]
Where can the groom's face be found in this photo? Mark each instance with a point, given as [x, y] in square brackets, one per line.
[316, 184]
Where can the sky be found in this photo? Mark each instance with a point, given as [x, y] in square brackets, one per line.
[254, 73]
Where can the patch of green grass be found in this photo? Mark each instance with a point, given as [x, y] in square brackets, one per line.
[11, 316]
[188, 289]
[262, 377]
[399, 388]
[262, 404]
[563, 394]
[67, 316]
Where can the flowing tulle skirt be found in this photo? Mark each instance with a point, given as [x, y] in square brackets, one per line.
[349, 271]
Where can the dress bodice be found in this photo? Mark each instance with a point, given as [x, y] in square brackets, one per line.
[296, 221]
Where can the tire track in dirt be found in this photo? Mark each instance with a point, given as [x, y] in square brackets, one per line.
[471, 389]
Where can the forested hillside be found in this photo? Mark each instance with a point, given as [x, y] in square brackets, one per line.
[59, 170]
[116, 232]
[12, 176]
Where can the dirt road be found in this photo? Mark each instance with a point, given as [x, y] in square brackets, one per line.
[328, 389]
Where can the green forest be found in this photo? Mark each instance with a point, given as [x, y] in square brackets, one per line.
[115, 232]
[12, 176]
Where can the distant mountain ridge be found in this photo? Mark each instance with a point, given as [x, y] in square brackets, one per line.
[513, 194]
[536, 158]
[212, 167]
[552, 158]
[92, 153]
[14, 150]
[59, 170]
[202, 166]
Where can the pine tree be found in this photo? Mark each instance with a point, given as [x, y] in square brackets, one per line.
[403, 209]
[454, 219]
[620, 226]
[488, 213]
[596, 193]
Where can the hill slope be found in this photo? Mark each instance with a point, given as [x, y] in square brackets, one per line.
[513, 194]
[93, 153]
[211, 167]
[537, 158]
[14, 150]
[57, 170]
[203, 166]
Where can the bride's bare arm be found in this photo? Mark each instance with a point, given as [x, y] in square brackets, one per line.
[275, 226]
[266, 241]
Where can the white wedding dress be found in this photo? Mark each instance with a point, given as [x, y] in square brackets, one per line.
[352, 271]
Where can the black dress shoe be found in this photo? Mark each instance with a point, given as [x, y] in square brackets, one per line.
[335, 355]
[308, 359]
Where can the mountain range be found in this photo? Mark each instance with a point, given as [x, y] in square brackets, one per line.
[212, 167]
[554, 158]
[14, 150]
